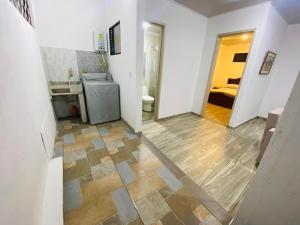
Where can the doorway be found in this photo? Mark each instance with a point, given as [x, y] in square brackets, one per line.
[153, 40]
[227, 71]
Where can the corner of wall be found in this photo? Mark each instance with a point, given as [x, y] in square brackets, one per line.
[194, 105]
[274, 18]
[139, 63]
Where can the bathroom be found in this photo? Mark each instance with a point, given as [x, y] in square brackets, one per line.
[152, 66]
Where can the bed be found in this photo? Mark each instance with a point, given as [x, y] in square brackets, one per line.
[224, 96]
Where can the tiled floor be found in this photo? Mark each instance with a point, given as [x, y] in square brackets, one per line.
[113, 177]
[147, 116]
[219, 159]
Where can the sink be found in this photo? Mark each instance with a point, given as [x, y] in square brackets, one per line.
[65, 88]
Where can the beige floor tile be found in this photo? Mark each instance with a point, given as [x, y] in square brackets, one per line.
[116, 133]
[103, 169]
[113, 151]
[123, 156]
[83, 141]
[183, 202]
[137, 222]
[82, 168]
[95, 156]
[99, 208]
[152, 208]
[146, 165]
[132, 144]
[145, 185]
[201, 213]
[68, 165]
[101, 186]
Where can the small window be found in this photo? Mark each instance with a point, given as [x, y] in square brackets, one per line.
[115, 39]
[24, 8]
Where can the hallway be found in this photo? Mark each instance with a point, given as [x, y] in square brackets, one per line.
[220, 160]
[112, 176]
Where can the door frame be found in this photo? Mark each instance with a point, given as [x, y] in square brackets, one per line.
[213, 65]
[159, 73]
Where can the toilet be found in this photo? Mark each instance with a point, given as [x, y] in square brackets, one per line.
[147, 100]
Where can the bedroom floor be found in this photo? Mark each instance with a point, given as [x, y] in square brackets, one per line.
[220, 160]
[218, 113]
[114, 177]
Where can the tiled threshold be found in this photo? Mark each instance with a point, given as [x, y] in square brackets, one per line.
[114, 177]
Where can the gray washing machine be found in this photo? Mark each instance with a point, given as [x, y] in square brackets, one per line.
[102, 96]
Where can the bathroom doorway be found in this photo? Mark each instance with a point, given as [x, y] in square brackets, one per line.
[153, 41]
[229, 64]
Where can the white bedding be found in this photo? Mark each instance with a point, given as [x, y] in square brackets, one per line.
[225, 90]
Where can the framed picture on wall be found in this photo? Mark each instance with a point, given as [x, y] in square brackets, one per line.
[268, 63]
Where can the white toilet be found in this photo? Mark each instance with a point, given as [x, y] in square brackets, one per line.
[147, 100]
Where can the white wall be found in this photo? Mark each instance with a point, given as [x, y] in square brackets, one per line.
[152, 44]
[183, 44]
[266, 22]
[24, 105]
[274, 196]
[124, 66]
[68, 24]
[284, 71]
[225, 67]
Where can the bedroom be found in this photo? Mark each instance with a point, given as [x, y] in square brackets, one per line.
[230, 60]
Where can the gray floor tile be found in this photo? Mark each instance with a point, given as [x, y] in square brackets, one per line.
[74, 155]
[58, 152]
[173, 183]
[98, 144]
[103, 131]
[125, 172]
[69, 139]
[72, 197]
[124, 205]
[131, 136]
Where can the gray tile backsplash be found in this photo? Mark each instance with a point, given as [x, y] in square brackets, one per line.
[88, 62]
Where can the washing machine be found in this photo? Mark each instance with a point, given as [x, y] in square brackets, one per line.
[102, 96]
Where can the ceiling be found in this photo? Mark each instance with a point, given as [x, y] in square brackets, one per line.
[289, 9]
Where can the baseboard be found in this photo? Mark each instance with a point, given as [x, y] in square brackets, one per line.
[256, 117]
[131, 128]
[180, 114]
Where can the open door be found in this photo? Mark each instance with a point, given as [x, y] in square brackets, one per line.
[227, 72]
[153, 41]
